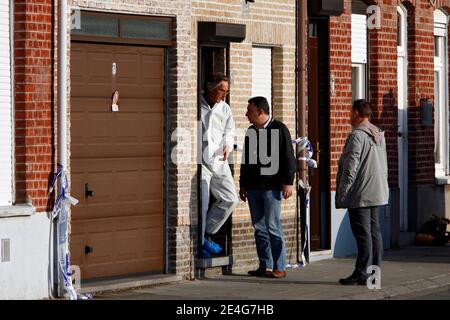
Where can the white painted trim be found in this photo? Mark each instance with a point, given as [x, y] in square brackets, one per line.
[442, 165]
[13, 103]
[359, 38]
[361, 80]
[403, 48]
[440, 181]
[6, 85]
[17, 210]
[402, 79]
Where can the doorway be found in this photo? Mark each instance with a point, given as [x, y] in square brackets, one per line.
[318, 132]
[213, 58]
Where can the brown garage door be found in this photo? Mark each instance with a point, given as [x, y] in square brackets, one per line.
[119, 157]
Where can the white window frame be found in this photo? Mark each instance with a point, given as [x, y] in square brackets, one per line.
[441, 101]
[402, 78]
[8, 200]
[359, 92]
[359, 42]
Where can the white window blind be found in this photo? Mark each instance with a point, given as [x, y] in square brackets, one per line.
[262, 73]
[440, 23]
[5, 106]
[359, 38]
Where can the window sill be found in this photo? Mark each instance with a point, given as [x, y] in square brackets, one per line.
[17, 210]
[442, 180]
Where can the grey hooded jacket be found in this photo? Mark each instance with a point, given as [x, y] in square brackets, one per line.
[362, 174]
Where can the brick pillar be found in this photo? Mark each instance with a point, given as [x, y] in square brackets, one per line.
[341, 72]
[33, 68]
[420, 85]
[383, 87]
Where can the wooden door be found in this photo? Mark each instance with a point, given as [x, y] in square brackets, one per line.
[313, 133]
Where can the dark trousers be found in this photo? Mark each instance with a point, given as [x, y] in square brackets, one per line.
[366, 230]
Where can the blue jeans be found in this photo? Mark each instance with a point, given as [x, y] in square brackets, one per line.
[265, 210]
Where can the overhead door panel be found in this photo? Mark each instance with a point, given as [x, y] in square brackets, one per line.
[117, 159]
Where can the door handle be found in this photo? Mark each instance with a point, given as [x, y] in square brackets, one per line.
[399, 134]
[88, 249]
[87, 192]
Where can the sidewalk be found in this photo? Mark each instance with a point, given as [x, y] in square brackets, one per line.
[406, 272]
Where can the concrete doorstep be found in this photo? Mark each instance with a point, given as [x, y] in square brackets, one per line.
[105, 286]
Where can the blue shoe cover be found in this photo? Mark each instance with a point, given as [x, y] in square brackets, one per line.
[212, 247]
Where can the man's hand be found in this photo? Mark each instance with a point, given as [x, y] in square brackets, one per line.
[287, 191]
[243, 194]
[226, 152]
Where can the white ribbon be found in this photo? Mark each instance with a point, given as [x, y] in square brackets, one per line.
[305, 248]
[68, 280]
[60, 210]
[303, 143]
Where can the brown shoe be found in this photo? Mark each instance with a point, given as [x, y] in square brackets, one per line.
[277, 274]
[258, 272]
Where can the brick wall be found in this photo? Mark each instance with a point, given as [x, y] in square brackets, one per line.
[33, 89]
[420, 85]
[383, 88]
[383, 85]
[182, 114]
[340, 70]
[269, 23]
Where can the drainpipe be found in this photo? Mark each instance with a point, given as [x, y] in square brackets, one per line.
[62, 131]
[301, 100]
[302, 8]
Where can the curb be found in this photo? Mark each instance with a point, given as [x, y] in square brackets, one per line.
[411, 288]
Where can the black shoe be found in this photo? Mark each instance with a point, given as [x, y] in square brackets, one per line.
[259, 273]
[353, 280]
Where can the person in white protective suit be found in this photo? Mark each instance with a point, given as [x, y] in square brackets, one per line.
[218, 140]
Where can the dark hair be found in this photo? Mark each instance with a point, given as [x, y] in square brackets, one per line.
[362, 107]
[214, 82]
[261, 104]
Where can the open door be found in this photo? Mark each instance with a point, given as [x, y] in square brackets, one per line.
[318, 132]
[213, 56]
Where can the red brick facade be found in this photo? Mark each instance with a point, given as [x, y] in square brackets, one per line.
[382, 46]
[341, 72]
[33, 88]
[420, 85]
[35, 101]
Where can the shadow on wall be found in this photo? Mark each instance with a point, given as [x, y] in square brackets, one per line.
[344, 243]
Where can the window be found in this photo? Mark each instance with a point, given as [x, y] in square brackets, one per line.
[5, 107]
[262, 73]
[123, 28]
[359, 56]
[440, 94]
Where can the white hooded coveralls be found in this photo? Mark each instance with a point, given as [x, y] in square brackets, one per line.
[218, 131]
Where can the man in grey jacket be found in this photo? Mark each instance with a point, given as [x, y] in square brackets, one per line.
[362, 187]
